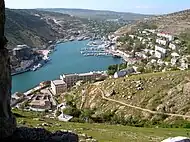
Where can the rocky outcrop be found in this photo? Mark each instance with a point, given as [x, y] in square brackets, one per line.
[7, 121]
[24, 134]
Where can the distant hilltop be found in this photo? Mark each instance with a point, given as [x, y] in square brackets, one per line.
[173, 23]
[99, 14]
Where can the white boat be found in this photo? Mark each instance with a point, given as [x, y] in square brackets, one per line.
[34, 68]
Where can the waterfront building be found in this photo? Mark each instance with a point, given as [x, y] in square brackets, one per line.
[40, 102]
[22, 52]
[26, 64]
[71, 79]
[58, 86]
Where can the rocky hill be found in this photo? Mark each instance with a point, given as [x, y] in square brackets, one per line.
[174, 23]
[23, 27]
[36, 28]
[99, 14]
[160, 97]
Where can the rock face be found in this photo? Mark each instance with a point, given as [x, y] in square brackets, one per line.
[24, 134]
[7, 121]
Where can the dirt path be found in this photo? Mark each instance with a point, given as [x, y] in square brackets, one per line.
[139, 108]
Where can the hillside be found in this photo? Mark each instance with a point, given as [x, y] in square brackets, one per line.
[23, 27]
[100, 132]
[156, 97]
[99, 14]
[36, 28]
[173, 23]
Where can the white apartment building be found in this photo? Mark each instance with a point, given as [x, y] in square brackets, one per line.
[132, 36]
[169, 37]
[160, 52]
[160, 41]
[58, 86]
[172, 46]
[161, 49]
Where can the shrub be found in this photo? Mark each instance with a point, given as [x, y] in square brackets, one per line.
[73, 111]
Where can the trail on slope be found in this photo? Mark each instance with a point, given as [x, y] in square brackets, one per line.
[139, 108]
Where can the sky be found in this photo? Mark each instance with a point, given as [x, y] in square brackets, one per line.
[135, 6]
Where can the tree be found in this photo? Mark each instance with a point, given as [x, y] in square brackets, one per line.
[123, 39]
[112, 69]
[57, 113]
[86, 114]
[73, 111]
[141, 69]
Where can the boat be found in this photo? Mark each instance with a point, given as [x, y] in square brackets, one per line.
[34, 68]
[116, 56]
[80, 38]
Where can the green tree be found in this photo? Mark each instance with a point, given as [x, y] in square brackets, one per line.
[112, 69]
[86, 114]
[57, 113]
[73, 111]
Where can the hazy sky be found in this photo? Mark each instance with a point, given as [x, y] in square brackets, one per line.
[137, 6]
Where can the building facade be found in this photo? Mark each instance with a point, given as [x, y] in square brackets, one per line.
[58, 86]
[71, 79]
[22, 52]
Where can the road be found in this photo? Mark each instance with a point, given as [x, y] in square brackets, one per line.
[139, 108]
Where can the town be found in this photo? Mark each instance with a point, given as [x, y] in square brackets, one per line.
[145, 51]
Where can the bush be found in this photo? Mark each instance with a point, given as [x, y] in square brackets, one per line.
[73, 111]
[57, 113]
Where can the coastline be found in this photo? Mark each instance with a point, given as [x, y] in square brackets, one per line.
[52, 71]
[20, 72]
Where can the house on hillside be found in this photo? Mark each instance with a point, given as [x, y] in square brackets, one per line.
[175, 58]
[166, 35]
[140, 38]
[124, 72]
[160, 52]
[172, 46]
[132, 36]
[160, 41]
[184, 64]
[150, 30]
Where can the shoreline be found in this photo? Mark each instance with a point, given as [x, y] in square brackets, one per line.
[85, 70]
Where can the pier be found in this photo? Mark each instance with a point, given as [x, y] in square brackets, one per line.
[95, 51]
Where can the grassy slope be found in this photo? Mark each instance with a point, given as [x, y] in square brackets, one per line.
[168, 90]
[103, 132]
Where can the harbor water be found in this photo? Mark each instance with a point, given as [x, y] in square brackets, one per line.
[66, 59]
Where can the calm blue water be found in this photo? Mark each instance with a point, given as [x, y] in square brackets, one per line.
[67, 59]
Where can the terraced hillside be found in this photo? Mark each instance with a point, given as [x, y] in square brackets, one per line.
[161, 97]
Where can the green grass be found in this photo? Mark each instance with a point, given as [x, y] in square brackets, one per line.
[102, 132]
